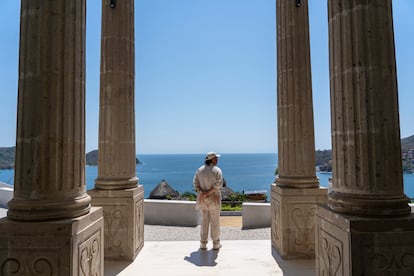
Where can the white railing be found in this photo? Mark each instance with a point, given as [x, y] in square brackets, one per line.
[181, 212]
[171, 212]
[6, 194]
[256, 215]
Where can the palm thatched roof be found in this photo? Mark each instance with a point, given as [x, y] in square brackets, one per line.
[162, 191]
[225, 193]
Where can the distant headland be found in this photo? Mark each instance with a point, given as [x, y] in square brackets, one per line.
[323, 158]
[92, 158]
[7, 158]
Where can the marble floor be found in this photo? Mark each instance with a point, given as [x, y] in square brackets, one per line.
[183, 258]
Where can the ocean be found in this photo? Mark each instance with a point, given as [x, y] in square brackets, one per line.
[242, 172]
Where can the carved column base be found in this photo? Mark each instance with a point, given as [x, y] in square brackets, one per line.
[293, 231]
[348, 245]
[58, 247]
[369, 205]
[124, 221]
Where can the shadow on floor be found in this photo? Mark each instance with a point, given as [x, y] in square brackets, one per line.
[294, 267]
[203, 257]
[113, 268]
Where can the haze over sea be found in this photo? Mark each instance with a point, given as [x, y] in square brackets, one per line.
[242, 172]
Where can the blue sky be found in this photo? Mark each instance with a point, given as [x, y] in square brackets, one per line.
[205, 74]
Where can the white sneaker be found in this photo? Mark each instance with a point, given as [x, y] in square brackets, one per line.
[203, 246]
[217, 246]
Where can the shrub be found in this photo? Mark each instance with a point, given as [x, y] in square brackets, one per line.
[189, 196]
[231, 207]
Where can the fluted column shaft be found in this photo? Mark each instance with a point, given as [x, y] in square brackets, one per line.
[367, 171]
[296, 144]
[50, 150]
[117, 160]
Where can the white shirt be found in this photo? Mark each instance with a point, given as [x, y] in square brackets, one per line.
[205, 178]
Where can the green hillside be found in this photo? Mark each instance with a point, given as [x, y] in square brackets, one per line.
[7, 157]
[92, 158]
[407, 143]
[324, 156]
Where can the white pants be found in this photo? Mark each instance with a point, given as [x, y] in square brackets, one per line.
[210, 217]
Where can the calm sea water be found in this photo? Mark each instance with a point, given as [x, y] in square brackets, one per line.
[242, 172]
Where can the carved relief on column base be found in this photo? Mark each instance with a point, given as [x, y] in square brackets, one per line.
[57, 248]
[349, 245]
[292, 228]
[124, 221]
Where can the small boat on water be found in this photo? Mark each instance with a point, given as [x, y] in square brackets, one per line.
[256, 195]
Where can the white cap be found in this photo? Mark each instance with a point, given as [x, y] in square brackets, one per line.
[210, 155]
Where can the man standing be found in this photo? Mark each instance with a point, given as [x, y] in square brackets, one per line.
[208, 181]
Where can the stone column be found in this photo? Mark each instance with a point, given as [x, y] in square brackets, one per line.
[296, 191]
[296, 142]
[116, 186]
[50, 225]
[116, 158]
[366, 227]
